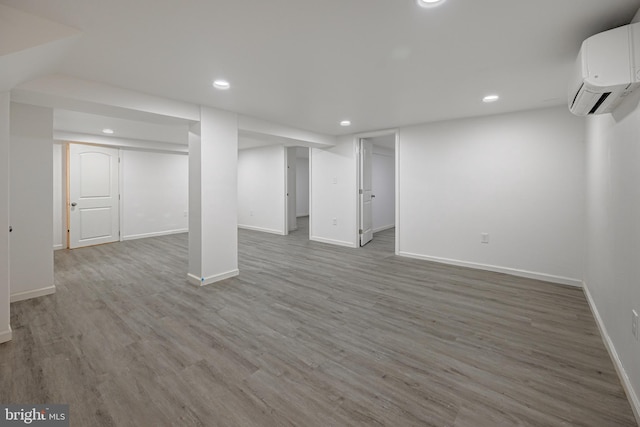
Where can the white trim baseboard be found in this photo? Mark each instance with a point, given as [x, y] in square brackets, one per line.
[264, 230]
[332, 242]
[58, 247]
[21, 296]
[155, 234]
[204, 281]
[6, 336]
[634, 401]
[384, 227]
[497, 269]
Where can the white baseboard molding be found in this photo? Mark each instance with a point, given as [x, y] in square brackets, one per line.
[21, 296]
[634, 401]
[302, 215]
[264, 230]
[384, 227]
[58, 247]
[6, 336]
[155, 234]
[204, 281]
[333, 242]
[506, 270]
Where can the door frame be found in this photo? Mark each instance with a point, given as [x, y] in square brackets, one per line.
[356, 142]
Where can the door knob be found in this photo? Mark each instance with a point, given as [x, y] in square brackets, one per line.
[74, 204]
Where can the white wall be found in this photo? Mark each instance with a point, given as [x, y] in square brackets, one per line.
[612, 279]
[31, 202]
[154, 193]
[302, 185]
[383, 170]
[334, 193]
[195, 201]
[261, 186]
[518, 177]
[5, 329]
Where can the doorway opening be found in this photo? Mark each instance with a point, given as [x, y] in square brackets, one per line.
[377, 189]
[107, 193]
[297, 191]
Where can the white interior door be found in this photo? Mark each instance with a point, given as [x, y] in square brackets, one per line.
[94, 208]
[366, 208]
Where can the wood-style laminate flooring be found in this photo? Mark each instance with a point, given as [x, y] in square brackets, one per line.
[308, 335]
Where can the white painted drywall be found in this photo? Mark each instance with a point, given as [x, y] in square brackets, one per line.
[383, 170]
[283, 134]
[213, 197]
[59, 195]
[195, 202]
[612, 278]
[154, 193]
[103, 99]
[261, 176]
[302, 185]
[31, 201]
[334, 193]
[518, 177]
[5, 328]
[21, 31]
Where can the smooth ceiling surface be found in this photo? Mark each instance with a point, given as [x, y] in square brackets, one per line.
[309, 64]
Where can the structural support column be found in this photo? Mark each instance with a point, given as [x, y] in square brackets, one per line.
[5, 328]
[213, 197]
[31, 202]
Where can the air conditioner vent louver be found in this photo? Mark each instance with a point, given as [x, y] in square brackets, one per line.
[576, 96]
[599, 102]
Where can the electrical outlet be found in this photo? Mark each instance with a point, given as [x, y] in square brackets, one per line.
[186, 213]
[484, 237]
[250, 213]
[335, 221]
[634, 324]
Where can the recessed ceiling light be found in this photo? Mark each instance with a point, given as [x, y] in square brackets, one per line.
[221, 84]
[107, 131]
[345, 123]
[490, 98]
[430, 3]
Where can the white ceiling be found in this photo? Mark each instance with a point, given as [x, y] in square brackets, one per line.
[309, 64]
[92, 124]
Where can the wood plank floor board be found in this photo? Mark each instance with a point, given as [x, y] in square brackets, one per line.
[308, 334]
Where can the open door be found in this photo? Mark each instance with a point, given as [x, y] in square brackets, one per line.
[290, 191]
[366, 208]
[94, 208]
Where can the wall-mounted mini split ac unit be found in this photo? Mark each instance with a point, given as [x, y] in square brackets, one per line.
[607, 70]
